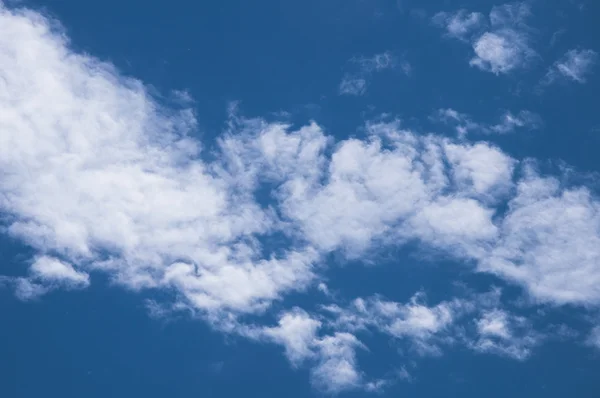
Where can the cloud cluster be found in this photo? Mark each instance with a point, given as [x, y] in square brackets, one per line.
[98, 176]
[328, 340]
[501, 46]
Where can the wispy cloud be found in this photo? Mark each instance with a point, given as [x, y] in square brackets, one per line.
[575, 65]
[505, 334]
[594, 337]
[460, 24]
[508, 123]
[351, 85]
[356, 83]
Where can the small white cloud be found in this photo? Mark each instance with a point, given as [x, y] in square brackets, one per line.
[460, 24]
[25, 289]
[336, 370]
[504, 334]
[504, 47]
[356, 83]
[594, 337]
[297, 332]
[509, 122]
[510, 14]
[494, 323]
[575, 65]
[377, 62]
[351, 85]
[49, 269]
[48, 273]
[424, 327]
[500, 52]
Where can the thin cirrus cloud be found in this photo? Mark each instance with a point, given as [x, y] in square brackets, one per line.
[576, 65]
[500, 46]
[460, 24]
[98, 177]
[508, 123]
[356, 83]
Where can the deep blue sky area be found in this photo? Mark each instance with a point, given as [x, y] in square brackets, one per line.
[291, 57]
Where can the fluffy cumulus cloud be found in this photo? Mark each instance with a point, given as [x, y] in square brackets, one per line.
[550, 242]
[99, 177]
[500, 46]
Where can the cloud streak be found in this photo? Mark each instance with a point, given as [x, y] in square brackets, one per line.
[508, 123]
[576, 65]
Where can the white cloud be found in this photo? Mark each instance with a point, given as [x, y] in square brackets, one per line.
[510, 14]
[357, 204]
[594, 337]
[48, 273]
[337, 369]
[500, 52]
[509, 122]
[98, 176]
[460, 24]
[357, 83]
[96, 173]
[428, 330]
[504, 334]
[504, 47]
[352, 85]
[376, 63]
[550, 242]
[575, 65]
[424, 327]
[54, 270]
[494, 323]
[297, 332]
[26, 289]
[332, 358]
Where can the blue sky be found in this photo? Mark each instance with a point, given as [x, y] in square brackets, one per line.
[320, 198]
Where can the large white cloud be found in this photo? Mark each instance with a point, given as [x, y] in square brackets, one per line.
[97, 176]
